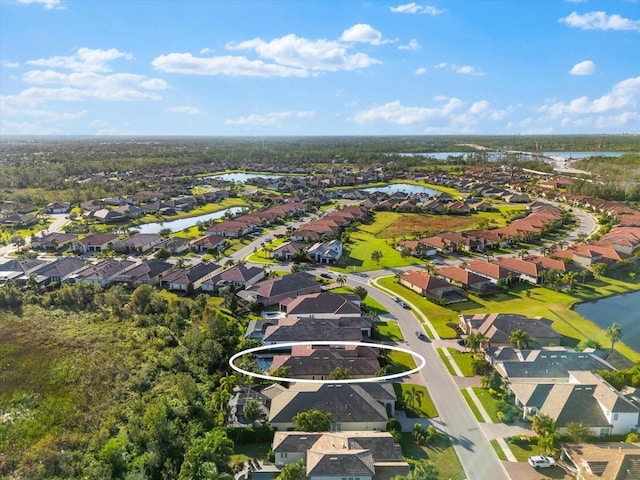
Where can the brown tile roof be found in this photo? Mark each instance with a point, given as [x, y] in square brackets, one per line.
[423, 280]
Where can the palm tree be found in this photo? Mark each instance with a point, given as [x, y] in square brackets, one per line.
[614, 332]
[412, 396]
[569, 279]
[520, 339]
[228, 383]
[341, 280]
[475, 341]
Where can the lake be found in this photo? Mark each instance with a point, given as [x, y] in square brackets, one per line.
[243, 177]
[622, 309]
[401, 187]
[181, 224]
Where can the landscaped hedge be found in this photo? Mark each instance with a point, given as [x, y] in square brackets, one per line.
[242, 436]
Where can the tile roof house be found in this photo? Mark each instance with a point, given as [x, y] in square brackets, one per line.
[52, 241]
[237, 276]
[95, 242]
[149, 272]
[431, 286]
[272, 291]
[208, 242]
[189, 279]
[137, 243]
[357, 454]
[523, 270]
[326, 252]
[291, 329]
[466, 279]
[19, 270]
[59, 270]
[322, 305]
[587, 398]
[353, 406]
[498, 327]
[602, 461]
[103, 272]
[287, 250]
[623, 239]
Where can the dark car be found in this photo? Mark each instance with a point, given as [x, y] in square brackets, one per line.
[462, 342]
[404, 305]
[420, 335]
[325, 275]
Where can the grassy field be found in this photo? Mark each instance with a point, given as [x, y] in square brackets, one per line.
[424, 407]
[397, 362]
[440, 452]
[523, 450]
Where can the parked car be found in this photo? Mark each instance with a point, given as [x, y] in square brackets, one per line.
[462, 342]
[325, 275]
[420, 335]
[539, 461]
[396, 299]
[404, 305]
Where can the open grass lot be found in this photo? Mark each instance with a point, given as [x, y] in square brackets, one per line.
[424, 407]
[472, 405]
[440, 452]
[387, 332]
[392, 225]
[360, 247]
[463, 360]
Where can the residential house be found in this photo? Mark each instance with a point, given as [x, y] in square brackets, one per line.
[625, 240]
[52, 241]
[59, 270]
[208, 243]
[602, 460]
[466, 279]
[498, 327]
[173, 245]
[495, 273]
[57, 207]
[18, 271]
[101, 273]
[137, 243]
[285, 251]
[364, 455]
[95, 242]
[326, 252]
[432, 287]
[516, 198]
[149, 272]
[416, 248]
[523, 270]
[189, 279]
[231, 228]
[105, 215]
[272, 291]
[322, 305]
[19, 219]
[593, 403]
[291, 329]
[238, 276]
[353, 406]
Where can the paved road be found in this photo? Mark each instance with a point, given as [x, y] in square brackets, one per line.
[474, 451]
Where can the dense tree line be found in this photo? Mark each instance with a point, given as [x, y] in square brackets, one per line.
[115, 384]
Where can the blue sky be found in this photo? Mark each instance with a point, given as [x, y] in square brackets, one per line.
[296, 67]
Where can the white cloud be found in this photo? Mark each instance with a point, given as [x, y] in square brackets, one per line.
[600, 21]
[478, 108]
[226, 65]
[185, 109]
[586, 67]
[48, 4]
[84, 60]
[412, 45]
[463, 70]
[624, 95]
[298, 52]
[415, 9]
[8, 64]
[363, 33]
[268, 119]
[206, 50]
[27, 128]
[420, 71]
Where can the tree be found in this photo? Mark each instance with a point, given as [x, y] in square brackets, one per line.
[578, 432]
[252, 411]
[341, 280]
[412, 396]
[614, 333]
[569, 279]
[425, 470]
[361, 292]
[228, 383]
[312, 421]
[520, 339]
[293, 471]
[475, 341]
[339, 373]
[598, 269]
[542, 424]
[376, 256]
[405, 252]
[207, 457]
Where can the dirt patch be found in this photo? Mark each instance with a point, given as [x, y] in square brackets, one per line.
[418, 224]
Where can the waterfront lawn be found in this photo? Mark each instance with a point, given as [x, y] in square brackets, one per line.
[387, 332]
[423, 408]
[439, 451]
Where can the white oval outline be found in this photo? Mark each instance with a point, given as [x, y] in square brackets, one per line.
[384, 378]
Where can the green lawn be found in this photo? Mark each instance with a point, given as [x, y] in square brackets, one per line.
[387, 332]
[440, 452]
[424, 407]
[397, 362]
[523, 450]
[472, 406]
[488, 402]
[463, 360]
[244, 452]
[360, 247]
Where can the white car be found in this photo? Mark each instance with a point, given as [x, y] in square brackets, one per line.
[538, 461]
